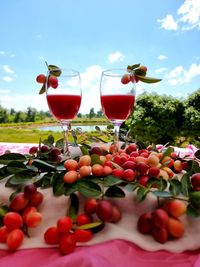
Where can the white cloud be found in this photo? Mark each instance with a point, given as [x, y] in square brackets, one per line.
[7, 69]
[114, 57]
[168, 23]
[7, 79]
[187, 18]
[160, 70]
[162, 57]
[181, 76]
[4, 91]
[2, 52]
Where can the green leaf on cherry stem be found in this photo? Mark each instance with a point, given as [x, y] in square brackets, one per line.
[6, 158]
[148, 79]
[163, 194]
[43, 166]
[88, 188]
[175, 187]
[42, 90]
[111, 180]
[114, 191]
[94, 226]
[95, 159]
[197, 154]
[16, 167]
[73, 206]
[185, 184]
[192, 212]
[54, 70]
[142, 193]
[133, 67]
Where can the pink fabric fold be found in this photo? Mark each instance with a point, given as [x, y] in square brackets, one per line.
[116, 253]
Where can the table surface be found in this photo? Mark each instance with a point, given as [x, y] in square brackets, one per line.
[109, 253]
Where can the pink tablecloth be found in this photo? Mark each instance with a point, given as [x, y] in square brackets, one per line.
[115, 253]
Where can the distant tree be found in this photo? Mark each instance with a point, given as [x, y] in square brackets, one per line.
[79, 115]
[19, 117]
[92, 113]
[3, 115]
[100, 113]
[31, 115]
[12, 111]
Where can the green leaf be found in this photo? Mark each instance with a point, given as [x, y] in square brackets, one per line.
[46, 181]
[42, 90]
[141, 194]
[131, 187]
[175, 187]
[70, 188]
[148, 79]
[193, 212]
[167, 152]
[90, 225]
[132, 67]
[58, 185]
[95, 159]
[73, 206]
[114, 191]
[195, 167]
[185, 184]
[6, 158]
[140, 72]
[19, 179]
[3, 210]
[163, 194]
[197, 154]
[3, 172]
[43, 166]
[59, 143]
[111, 180]
[84, 149]
[54, 70]
[88, 188]
[16, 167]
[160, 183]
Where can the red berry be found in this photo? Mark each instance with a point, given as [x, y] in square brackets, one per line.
[51, 236]
[36, 199]
[64, 224]
[3, 234]
[15, 239]
[83, 235]
[118, 173]
[12, 220]
[33, 150]
[129, 175]
[125, 78]
[67, 243]
[90, 206]
[19, 202]
[83, 219]
[33, 219]
[41, 78]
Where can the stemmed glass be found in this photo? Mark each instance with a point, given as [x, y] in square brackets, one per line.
[117, 92]
[63, 94]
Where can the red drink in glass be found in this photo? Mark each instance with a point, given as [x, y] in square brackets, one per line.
[64, 107]
[117, 107]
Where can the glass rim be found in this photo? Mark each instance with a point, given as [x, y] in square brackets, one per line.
[117, 72]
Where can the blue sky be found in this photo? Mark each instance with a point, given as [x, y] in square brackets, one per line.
[91, 36]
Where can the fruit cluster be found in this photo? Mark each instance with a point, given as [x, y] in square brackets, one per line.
[67, 233]
[137, 73]
[46, 152]
[130, 164]
[51, 80]
[164, 223]
[22, 214]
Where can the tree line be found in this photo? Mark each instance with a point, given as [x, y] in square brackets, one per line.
[161, 119]
[32, 115]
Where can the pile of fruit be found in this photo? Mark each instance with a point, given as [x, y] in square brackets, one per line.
[98, 175]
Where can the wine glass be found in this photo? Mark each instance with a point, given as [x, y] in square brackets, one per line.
[63, 94]
[117, 92]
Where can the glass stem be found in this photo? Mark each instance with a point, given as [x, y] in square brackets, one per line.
[116, 138]
[66, 152]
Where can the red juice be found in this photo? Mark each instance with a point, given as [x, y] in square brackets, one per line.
[117, 107]
[64, 107]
